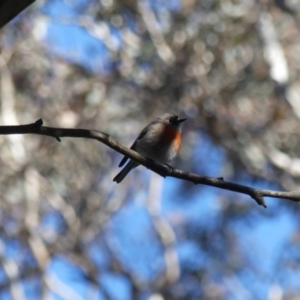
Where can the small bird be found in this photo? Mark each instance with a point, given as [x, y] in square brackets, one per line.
[160, 141]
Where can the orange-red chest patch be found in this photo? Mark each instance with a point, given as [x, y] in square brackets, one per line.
[171, 135]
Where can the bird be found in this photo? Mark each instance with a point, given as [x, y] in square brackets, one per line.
[159, 141]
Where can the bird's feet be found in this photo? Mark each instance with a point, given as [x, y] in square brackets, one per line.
[170, 167]
[150, 160]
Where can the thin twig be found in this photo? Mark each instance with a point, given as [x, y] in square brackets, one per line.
[257, 194]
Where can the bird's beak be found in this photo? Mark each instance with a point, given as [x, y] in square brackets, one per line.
[181, 120]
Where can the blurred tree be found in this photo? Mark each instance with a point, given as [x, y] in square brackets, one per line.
[67, 230]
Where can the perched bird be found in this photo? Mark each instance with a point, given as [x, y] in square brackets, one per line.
[160, 141]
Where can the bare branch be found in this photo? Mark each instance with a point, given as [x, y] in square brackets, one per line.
[257, 194]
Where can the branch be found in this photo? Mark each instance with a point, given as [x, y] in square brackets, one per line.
[10, 9]
[257, 194]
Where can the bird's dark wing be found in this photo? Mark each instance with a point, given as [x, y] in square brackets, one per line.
[141, 135]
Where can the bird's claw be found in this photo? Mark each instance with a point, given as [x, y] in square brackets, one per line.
[150, 160]
[170, 167]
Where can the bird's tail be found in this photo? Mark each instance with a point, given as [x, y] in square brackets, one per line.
[131, 165]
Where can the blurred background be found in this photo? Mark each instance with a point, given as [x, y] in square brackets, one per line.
[232, 68]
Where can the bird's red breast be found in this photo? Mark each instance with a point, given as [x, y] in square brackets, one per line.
[171, 136]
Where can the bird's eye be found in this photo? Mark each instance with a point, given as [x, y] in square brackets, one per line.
[173, 119]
